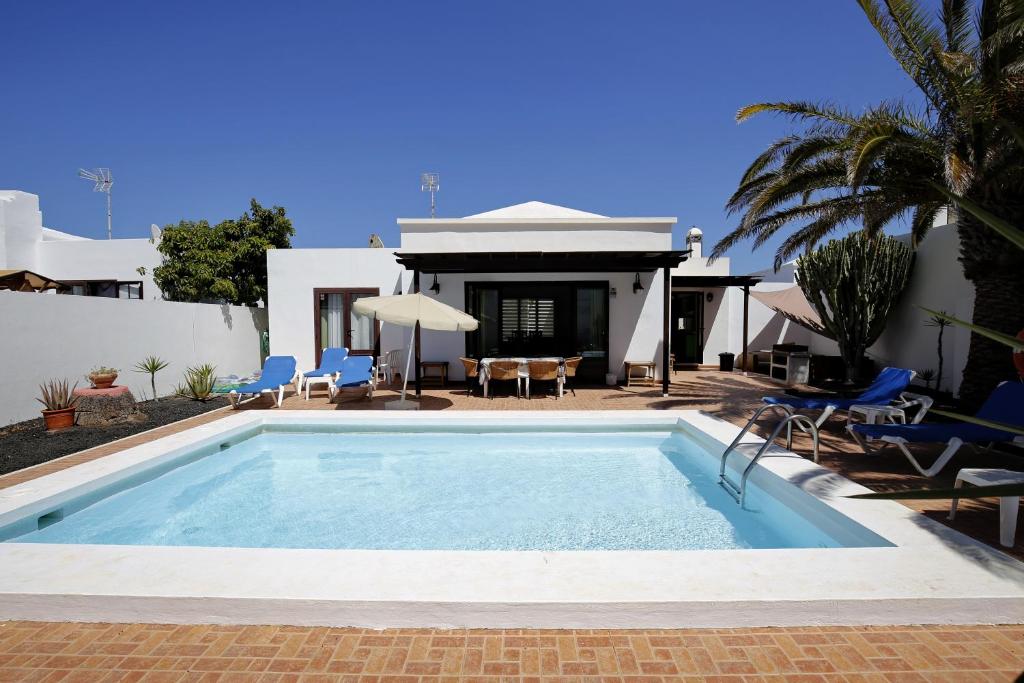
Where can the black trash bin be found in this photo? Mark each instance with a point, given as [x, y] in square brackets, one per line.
[726, 361]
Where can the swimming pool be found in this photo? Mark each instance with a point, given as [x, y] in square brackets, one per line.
[402, 489]
[479, 519]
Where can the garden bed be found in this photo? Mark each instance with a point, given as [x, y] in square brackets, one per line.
[24, 444]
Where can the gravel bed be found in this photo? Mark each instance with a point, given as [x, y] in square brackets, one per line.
[24, 444]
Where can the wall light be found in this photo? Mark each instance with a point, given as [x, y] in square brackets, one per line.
[636, 284]
[710, 297]
[435, 288]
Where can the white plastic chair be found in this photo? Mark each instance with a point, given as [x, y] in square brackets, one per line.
[1008, 505]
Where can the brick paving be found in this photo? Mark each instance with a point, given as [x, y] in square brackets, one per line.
[32, 651]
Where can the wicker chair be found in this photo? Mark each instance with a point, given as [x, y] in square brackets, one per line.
[472, 368]
[542, 371]
[571, 365]
[504, 371]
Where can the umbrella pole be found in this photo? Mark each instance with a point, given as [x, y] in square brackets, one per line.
[408, 357]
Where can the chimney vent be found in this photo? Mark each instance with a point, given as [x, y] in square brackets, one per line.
[693, 242]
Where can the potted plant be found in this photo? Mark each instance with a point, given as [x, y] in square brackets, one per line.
[60, 404]
[102, 377]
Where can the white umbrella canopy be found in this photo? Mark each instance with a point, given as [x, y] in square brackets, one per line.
[408, 309]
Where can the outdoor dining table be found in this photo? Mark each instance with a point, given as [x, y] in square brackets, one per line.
[484, 375]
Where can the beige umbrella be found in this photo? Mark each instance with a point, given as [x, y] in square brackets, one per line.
[408, 309]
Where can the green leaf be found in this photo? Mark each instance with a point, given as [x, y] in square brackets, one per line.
[1015, 429]
[1012, 342]
[993, 491]
[1003, 227]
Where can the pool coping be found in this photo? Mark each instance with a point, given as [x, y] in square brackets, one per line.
[933, 574]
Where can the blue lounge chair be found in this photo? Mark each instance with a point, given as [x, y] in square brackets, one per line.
[330, 365]
[887, 388]
[356, 371]
[1005, 405]
[278, 371]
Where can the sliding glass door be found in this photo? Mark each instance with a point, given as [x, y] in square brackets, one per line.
[336, 324]
[541, 319]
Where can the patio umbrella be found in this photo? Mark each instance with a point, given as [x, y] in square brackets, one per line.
[408, 309]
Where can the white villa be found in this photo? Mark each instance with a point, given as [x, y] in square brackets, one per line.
[542, 280]
[119, 268]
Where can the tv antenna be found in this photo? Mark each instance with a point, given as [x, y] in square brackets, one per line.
[431, 182]
[103, 181]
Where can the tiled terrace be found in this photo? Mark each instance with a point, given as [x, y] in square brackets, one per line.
[32, 651]
[113, 652]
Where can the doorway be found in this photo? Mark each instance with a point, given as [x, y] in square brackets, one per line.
[335, 324]
[523, 319]
[688, 327]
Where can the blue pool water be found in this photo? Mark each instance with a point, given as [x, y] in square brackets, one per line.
[444, 491]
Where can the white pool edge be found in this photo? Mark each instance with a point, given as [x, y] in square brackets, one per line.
[932, 575]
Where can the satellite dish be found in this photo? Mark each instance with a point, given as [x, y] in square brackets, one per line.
[154, 233]
[376, 242]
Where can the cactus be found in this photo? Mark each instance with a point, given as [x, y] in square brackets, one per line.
[854, 283]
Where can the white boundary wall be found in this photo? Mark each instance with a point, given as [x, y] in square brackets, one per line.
[47, 336]
[937, 282]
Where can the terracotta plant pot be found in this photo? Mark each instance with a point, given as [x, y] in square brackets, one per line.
[59, 419]
[103, 381]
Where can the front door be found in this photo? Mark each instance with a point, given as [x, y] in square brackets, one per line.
[338, 325]
[688, 327]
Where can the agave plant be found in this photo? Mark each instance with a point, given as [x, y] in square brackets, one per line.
[151, 365]
[198, 383]
[55, 395]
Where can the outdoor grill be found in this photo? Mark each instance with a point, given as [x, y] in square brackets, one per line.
[790, 364]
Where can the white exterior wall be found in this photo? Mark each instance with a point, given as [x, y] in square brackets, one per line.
[57, 337]
[468, 235]
[100, 260]
[21, 229]
[294, 273]
[937, 282]
[26, 244]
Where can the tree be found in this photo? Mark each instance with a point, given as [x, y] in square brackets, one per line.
[853, 284]
[844, 169]
[226, 262]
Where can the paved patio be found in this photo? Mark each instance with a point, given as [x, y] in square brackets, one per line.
[32, 651]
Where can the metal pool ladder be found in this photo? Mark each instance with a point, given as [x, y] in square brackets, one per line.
[739, 491]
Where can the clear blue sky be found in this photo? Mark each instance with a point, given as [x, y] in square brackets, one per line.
[333, 109]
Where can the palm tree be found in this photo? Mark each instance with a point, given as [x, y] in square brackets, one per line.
[898, 161]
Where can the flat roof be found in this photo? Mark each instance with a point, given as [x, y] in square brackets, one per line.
[541, 261]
